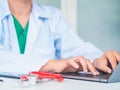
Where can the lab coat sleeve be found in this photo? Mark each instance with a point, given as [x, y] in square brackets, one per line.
[71, 45]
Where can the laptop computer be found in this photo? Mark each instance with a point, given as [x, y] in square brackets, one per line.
[103, 77]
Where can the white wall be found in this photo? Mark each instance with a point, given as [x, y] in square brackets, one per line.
[69, 9]
[99, 23]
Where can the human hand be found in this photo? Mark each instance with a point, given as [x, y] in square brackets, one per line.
[108, 62]
[75, 64]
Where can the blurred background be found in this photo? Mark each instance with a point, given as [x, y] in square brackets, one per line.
[97, 21]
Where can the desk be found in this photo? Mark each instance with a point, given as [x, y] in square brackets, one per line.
[67, 84]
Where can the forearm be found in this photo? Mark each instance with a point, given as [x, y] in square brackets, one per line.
[48, 67]
[54, 66]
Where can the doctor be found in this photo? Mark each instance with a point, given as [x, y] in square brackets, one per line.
[29, 28]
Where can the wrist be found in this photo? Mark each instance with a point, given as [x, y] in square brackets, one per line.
[48, 67]
[57, 65]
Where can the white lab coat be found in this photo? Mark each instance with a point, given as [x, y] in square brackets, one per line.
[49, 36]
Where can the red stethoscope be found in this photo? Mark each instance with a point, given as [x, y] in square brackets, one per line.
[39, 76]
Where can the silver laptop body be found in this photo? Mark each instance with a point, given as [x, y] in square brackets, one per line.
[106, 78]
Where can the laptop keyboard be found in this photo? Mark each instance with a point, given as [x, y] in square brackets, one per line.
[88, 75]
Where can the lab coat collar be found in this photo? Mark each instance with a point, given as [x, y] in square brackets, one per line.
[42, 13]
[4, 9]
[34, 27]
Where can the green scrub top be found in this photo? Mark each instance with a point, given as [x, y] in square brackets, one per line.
[21, 34]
